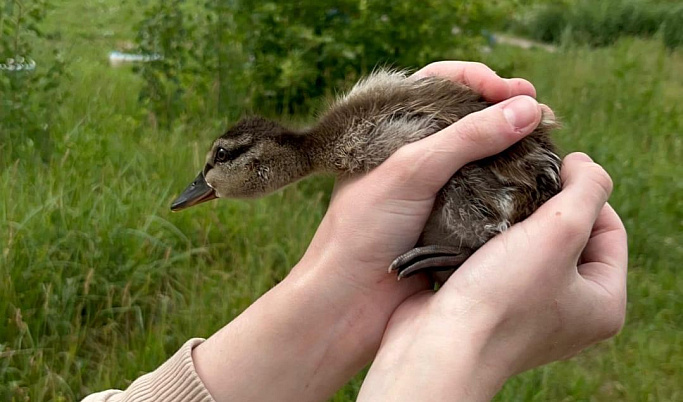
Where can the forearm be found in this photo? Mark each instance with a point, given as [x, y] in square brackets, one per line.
[301, 341]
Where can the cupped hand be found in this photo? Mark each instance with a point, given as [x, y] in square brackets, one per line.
[542, 291]
[374, 218]
[312, 332]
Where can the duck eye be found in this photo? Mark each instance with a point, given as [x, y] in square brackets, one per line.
[221, 155]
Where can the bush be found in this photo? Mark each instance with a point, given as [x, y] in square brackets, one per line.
[282, 57]
[29, 89]
[300, 51]
[165, 33]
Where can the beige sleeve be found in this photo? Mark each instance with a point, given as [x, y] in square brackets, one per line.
[175, 380]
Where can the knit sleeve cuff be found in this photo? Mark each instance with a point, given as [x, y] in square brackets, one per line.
[175, 380]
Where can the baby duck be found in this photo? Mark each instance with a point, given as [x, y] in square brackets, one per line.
[362, 129]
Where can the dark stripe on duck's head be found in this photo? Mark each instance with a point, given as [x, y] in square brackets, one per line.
[227, 154]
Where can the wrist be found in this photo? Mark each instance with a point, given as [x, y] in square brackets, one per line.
[465, 358]
[356, 300]
[357, 281]
[469, 331]
[302, 340]
[424, 349]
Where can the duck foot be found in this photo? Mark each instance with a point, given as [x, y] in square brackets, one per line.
[430, 258]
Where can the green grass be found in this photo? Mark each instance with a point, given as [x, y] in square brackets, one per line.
[622, 105]
[100, 283]
[603, 23]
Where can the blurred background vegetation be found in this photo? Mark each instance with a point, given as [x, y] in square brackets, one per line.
[99, 283]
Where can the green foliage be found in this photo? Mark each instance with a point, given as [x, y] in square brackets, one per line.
[673, 28]
[300, 50]
[622, 105]
[601, 23]
[100, 283]
[284, 56]
[169, 33]
[29, 89]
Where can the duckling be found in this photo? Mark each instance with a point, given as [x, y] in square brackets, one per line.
[359, 131]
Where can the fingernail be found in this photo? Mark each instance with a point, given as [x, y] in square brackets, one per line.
[521, 112]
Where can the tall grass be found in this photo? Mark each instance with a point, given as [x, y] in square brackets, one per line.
[623, 106]
[100, 283]
[602, 23]
[672, 31]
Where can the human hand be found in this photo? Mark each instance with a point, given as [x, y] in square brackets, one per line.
[374, 218]
[542, 291]
[335, 303]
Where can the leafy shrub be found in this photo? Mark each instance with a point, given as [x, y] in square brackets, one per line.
[166, 35]
[301, 50]
[29, 89]
[281, 57]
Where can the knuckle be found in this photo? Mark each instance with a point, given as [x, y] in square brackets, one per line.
[440, 68]
[602, 179]
[479, 65]
[433, 65]
[405, 155]
[407, 161]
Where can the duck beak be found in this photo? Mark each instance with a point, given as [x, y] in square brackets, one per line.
[197, 192]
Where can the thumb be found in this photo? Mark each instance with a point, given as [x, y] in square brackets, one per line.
[421, 168]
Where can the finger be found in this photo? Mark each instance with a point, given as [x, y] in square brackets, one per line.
[603, 267]
[604, 260]
[608, 227]
[568, 218]
[420, 169]
[548, 114]
[480, 78]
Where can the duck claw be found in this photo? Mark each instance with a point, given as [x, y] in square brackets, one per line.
[428, 258]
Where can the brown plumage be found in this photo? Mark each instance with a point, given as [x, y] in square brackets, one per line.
[361, 130]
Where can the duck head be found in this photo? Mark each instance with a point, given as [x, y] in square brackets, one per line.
[252, 159]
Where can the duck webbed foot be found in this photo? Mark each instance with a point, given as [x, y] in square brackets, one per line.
[429, 258]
